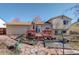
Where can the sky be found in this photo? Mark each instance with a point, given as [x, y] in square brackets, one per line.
[27, 11]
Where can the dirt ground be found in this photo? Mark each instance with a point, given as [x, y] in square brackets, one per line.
[38, 49]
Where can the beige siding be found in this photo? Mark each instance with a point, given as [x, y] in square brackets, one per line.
[17, 29]
[58, 23]
[46, 25]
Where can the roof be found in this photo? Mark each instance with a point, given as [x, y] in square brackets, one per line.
[47, 23]
[75, 23]
[58, 17]
[74, 27]
[19, 23]
[38, 22]
[2, 23]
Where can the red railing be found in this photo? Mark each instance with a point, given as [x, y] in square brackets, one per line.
[47, 33]
[30, 33]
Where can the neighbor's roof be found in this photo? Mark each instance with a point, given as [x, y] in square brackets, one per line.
[18, 22]
[61, 16]
[39, 23]
[2, 23]
[74, 27]
[76, 24]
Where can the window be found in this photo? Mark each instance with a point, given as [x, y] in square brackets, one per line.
[64, 31]
[65, 22]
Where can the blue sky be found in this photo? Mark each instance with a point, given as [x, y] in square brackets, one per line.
[26, 12]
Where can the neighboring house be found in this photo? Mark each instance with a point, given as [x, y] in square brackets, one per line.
[60, 24]
[18, 27]
[2, 27]
[74, 29]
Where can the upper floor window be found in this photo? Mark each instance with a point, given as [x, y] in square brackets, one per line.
[65, 22]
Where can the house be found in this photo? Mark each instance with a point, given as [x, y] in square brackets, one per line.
[60, 24]
[18, 27]
[2, 27]
[74, 29]
[57, 24]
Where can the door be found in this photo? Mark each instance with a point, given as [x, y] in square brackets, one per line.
[37, 28]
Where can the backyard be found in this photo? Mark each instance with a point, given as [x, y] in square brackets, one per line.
[35, 47]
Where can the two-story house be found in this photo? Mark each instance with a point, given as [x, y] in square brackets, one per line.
[60, 24]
